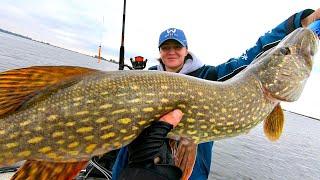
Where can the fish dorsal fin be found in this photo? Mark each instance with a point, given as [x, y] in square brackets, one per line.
[273, 125]
[42, 170]
[19, 85]
[184, 153]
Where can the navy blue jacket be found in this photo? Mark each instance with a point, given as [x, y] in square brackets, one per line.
[223, 72]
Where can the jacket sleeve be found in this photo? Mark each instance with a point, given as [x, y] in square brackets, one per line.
[268, 40]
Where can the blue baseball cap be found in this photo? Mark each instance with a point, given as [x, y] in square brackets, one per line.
[174, 34]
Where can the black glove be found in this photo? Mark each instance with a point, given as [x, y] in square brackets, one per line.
[150, 155]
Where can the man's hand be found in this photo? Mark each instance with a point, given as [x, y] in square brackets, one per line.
[151, 146]
[150, 155]
[172, 117]
[311, 18]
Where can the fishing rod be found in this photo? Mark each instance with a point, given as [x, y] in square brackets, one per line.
[121, 55]
[138, 62]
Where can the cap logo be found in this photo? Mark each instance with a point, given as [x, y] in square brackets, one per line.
[171, 32]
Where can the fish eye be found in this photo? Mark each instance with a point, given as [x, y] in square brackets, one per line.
[285, 51]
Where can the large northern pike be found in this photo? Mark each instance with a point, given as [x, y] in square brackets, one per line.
[59, 117]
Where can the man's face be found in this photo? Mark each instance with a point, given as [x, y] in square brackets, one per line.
[172, 54]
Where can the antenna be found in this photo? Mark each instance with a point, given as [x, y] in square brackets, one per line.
[121, 55]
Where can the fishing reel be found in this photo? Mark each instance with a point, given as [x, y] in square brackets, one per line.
[138, 62]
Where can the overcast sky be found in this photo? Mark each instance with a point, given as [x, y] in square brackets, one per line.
[216, 30]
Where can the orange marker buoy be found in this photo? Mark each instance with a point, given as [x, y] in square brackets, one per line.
[99, 54]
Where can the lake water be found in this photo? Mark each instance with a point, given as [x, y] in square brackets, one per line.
[295, 156]
[18, 52]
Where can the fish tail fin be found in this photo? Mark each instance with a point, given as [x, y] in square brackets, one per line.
[273, 125]
[42, 170]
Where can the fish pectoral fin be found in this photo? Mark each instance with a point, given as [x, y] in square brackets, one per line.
[43, 170]
[273, 125]
[20, 85]
[184, 153]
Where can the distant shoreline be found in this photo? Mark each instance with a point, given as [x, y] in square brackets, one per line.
[15, 34]
[29, 38]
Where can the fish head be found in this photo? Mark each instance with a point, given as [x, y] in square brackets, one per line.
[284, 69]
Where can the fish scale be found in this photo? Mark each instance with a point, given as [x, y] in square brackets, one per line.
[96, 113]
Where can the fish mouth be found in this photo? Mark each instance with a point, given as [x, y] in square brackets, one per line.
[309, 42]
[305, 42]
[314, 48]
